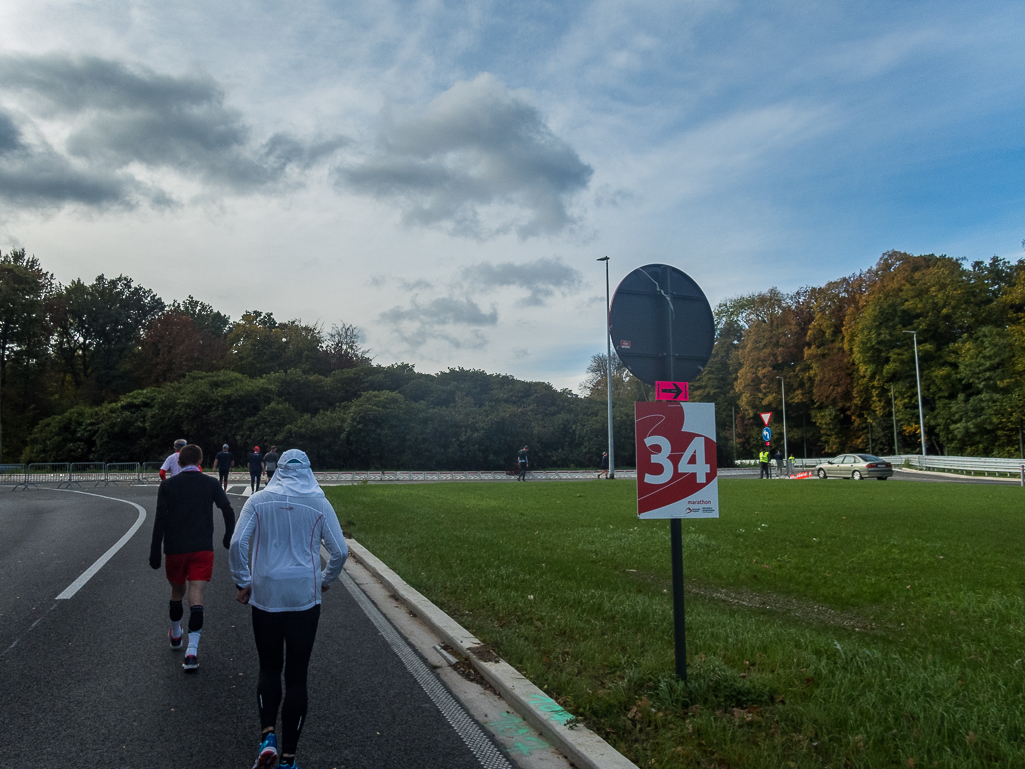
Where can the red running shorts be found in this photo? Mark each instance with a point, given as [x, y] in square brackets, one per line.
[187, 567]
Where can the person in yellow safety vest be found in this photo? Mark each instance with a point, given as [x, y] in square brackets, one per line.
[763, 464]
[790, 465]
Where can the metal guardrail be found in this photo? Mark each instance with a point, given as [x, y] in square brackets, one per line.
[85, 472]
[58, 473]
[64, 474]
[121, 472]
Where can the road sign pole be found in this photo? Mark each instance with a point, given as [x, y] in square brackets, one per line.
[679, 621]
[676, 529]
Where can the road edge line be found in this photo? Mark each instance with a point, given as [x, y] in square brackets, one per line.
[583, 747]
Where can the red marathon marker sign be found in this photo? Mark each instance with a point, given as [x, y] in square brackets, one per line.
[677, 472]
[671, 391]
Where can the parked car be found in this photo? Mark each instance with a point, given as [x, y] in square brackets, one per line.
[856, 466]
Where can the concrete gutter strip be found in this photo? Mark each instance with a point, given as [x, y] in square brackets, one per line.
[580, 745]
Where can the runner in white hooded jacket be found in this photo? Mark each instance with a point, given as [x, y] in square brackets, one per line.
[284, 525]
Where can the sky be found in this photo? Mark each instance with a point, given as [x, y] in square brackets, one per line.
[444, 175]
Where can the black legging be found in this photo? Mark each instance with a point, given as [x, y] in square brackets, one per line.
[274, 631]
[254, 479]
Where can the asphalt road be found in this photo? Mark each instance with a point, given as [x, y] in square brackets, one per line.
[90, 679]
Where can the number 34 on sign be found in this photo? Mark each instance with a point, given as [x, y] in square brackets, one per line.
[677, 473]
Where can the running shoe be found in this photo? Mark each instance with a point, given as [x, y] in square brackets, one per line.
[191, 663]
[268, 758]
[176, 643]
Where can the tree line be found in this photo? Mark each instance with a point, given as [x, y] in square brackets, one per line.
[848, 366]
[107, 371]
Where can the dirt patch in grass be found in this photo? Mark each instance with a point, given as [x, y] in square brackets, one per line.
[807, 611]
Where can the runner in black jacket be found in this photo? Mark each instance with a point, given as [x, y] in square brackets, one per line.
[184, 524]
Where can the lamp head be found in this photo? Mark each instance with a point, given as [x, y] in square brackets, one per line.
[602, 259]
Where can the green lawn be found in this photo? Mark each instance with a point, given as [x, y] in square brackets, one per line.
[835, 623]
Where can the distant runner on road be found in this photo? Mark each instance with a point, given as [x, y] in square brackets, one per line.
[171, 468]
[184, 524]
[283, 525]
[224, 462]
[270, 462]
[255, 461]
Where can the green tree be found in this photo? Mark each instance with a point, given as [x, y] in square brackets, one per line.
[24, 338]
[96, 327]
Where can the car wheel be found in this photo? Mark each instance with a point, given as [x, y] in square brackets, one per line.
[882, 479]
[821, 473]
[856, 475]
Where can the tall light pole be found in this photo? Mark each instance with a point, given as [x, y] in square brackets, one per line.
[786, 453]
[918, 379]
[608, 361]
[893, 409]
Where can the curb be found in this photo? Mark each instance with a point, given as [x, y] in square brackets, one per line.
[580, 745]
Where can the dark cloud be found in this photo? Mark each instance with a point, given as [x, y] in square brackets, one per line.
[116, 116]
[479, 160]
[442, 311]
[10, 136]
[452, 320]
[39, 177]
[541, 278]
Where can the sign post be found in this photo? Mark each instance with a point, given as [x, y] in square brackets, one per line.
[677, 477]
[666, 332]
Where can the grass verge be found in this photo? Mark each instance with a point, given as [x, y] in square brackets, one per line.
[835, 624]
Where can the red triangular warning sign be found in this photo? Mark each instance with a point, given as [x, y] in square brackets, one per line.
[766, 416]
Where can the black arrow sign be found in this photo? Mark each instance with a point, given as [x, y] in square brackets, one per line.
[671, 391]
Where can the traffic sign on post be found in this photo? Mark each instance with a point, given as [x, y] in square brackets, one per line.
[672, 391]
[766, 416]
[766, 435]
[677, 472]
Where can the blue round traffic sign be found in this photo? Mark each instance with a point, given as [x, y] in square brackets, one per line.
[767, 434]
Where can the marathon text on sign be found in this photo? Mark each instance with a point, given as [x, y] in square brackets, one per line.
[672, 391]
[677, 472]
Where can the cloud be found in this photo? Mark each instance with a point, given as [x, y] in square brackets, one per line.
[39, 176]
[120, 122]
[455, 321]
[442, 311]
[478, 160]
[541, 278]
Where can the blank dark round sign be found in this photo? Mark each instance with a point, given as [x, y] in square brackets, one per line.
[641, 324]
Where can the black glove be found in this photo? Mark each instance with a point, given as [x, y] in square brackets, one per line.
[227, 540]
[154, 561]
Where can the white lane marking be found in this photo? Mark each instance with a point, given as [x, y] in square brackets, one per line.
[86, 575]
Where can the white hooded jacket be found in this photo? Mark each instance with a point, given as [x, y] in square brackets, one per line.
[283, 526]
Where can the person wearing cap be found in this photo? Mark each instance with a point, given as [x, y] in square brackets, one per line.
[224, 461]
[171, 468]
[274, 559]
[255, 468]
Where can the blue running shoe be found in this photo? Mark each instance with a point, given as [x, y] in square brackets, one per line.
[268, 758]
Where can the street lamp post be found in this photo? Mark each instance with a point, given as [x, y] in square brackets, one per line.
[783, 386]
[918, 380]
[608, 370]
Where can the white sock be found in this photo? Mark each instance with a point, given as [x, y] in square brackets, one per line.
[176, 629]
[193, 643]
